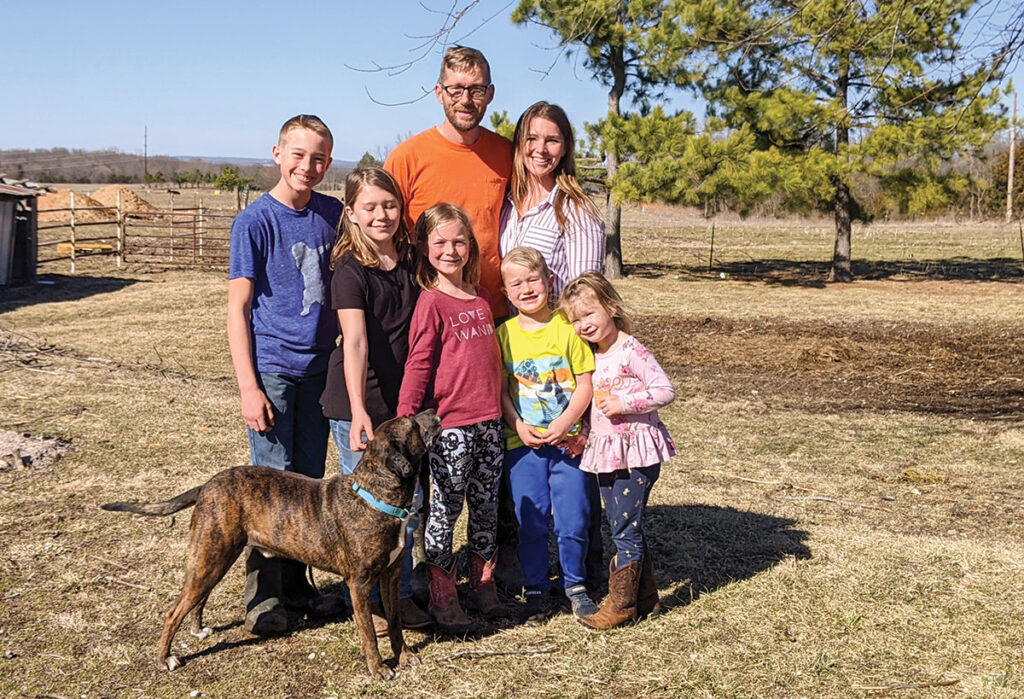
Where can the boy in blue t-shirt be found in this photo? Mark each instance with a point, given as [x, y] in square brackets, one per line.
[281, 331]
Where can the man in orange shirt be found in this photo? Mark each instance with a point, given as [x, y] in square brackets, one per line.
[460, 161]
[465, 164]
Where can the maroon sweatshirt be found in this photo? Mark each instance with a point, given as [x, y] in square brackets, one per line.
[454, 363]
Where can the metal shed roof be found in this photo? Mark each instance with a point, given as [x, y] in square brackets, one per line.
[19, 191]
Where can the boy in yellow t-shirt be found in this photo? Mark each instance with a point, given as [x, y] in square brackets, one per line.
[547, 369]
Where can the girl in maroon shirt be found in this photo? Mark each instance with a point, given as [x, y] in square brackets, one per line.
[454, 365]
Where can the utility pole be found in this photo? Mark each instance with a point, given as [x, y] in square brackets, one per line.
[145, 153]
[1013, 148]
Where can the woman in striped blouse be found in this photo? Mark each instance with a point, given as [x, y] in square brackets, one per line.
[546, 208]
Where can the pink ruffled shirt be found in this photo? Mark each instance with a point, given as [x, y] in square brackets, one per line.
[638, 438]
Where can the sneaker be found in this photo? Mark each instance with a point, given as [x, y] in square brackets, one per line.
[534, 613]
[581, 603]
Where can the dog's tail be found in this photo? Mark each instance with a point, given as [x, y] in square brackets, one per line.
[167, 507]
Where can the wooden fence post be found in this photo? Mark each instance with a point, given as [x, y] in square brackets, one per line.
[201, 221]
[172, 227]
[120, 230]
[72, 232]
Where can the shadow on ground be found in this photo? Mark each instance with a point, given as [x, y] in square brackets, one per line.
[814, 273]
[59, 287]
[698, 548]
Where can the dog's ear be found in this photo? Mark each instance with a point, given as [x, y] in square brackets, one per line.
[430, 426]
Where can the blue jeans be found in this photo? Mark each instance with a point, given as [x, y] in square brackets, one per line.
[347, 462]
[546, 483]
[298, 440]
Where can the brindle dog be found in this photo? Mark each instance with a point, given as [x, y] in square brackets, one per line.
[324, 523]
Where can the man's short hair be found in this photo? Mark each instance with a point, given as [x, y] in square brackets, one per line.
[307, 121]
[462, 58]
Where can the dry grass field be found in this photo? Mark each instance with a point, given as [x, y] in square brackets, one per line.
[845, 516]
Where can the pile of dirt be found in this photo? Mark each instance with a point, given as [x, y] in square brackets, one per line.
[61, 199]
[130, 201]
[20, 450]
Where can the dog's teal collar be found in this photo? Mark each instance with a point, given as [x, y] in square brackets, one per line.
[377, 504]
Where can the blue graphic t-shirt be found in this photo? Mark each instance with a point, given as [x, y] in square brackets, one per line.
[287, 255]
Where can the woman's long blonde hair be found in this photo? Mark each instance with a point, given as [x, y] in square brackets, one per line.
[351, 237]
[569, 189]
[429, 220]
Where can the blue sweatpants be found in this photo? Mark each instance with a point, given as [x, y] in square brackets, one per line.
[625, 494]
[547, 484]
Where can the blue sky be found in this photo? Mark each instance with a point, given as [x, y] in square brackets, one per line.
[218, 79]
[212, 78]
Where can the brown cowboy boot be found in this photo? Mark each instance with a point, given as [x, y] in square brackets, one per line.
[481, 581]
[444, 602]
[647, 602]
[620, 604]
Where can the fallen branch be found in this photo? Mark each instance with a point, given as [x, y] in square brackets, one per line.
[784, 484]
[484, 653]
[101, 559]
[896, 685]
[822, 498]
[119, 581]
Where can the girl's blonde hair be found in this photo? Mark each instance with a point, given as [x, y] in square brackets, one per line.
[569, 189]
[429, 220]
[351, 238]
[603, 292]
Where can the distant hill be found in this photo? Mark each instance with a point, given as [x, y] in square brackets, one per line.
[254, 162]
[112, 166]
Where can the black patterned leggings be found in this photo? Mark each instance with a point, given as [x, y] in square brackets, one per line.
[465, 464]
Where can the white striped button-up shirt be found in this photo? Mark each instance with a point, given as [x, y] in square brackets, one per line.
[569, 253]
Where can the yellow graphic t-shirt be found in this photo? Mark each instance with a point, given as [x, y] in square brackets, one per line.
[540, 368]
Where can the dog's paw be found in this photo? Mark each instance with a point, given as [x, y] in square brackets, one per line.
[408, 659]
[383, 672]
[172, 663]
[201, 633]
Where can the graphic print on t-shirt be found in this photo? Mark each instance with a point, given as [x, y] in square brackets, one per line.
[472, 323]
[545, 387]
[308, 261]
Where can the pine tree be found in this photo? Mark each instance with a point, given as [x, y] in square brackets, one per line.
[846, 86]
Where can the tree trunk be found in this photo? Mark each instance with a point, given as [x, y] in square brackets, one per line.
[613, 218]
[841, 270]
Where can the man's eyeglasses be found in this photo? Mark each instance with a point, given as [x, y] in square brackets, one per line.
[476, 92]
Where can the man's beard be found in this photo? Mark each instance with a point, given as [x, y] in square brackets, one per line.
[458, 121]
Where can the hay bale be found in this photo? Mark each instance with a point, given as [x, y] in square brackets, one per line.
[61, 199]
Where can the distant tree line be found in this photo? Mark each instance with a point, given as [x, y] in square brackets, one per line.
[113, 167]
